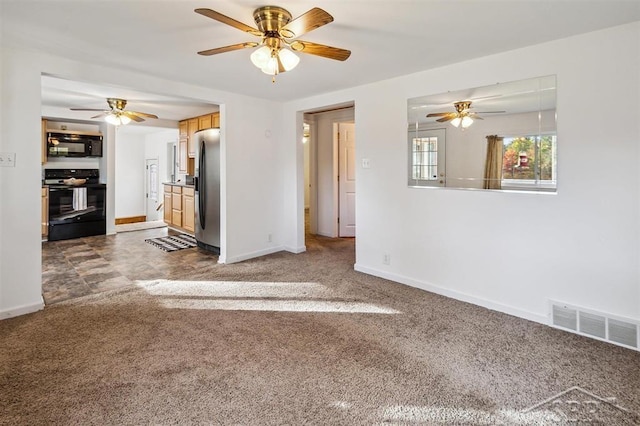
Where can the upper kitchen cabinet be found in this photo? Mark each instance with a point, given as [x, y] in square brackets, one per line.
[192, 126]
[204, 122]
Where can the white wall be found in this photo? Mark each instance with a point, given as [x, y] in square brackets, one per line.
[130, 175]
[252, 169]
[581, 244]
[156, 147]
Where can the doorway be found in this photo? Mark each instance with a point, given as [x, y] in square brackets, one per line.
[331, 166]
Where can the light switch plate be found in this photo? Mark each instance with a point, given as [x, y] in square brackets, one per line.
[7, 159]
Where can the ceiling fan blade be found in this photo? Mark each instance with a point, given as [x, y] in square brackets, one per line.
[475, 116]
[308, 21]
[229, 21]
[489, 112]
[132, 116]
[445, 119]
[142, 114]
[88, 109]
[100, 115]
[438, 114]
[321, 50]
[227, 48]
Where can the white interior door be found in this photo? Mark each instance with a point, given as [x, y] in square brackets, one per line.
[152, 192]
[347, 179]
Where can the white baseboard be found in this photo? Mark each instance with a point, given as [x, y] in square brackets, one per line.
[422, 285]
[251, 255]
[21, 310]
[295, 250]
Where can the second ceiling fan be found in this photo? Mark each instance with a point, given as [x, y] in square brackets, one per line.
[278, 33]
[462, 115]
[117, 114]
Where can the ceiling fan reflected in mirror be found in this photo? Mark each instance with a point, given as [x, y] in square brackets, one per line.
[117, 114]
[462, 116]
[278, 33]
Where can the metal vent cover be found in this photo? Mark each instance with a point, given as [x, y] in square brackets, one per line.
[598, 325]
[623, 332]
[565, 317]
[593, 325]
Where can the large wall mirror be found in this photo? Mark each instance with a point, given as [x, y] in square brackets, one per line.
[498, 137]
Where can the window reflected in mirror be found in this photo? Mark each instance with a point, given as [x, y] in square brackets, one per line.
[499, 137]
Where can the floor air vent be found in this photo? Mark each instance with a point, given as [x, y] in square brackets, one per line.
[622, 332]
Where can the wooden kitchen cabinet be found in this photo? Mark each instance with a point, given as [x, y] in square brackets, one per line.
[176, 205]
[45, 212]
[179, 207]
[167, 204]
[215, 119]
[204, 122]
[192, 127]
[182, 156]
[188, 209]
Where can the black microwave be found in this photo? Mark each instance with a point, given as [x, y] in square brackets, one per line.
[74, 144]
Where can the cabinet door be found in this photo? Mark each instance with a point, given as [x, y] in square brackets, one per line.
[215, 119]
[176, 217]
[182, 156]
[188, 213]
[192, 127]
[204, 122]
[167, 205]
[183, 130]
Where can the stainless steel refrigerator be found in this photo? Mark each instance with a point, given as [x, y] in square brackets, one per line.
[207, 187]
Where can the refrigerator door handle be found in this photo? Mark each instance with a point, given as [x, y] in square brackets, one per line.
[202, 182]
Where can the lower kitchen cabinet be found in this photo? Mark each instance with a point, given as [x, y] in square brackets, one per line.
[167, 204]
[179, 207]
[188, 209]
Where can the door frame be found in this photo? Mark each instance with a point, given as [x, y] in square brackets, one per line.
[324, 221]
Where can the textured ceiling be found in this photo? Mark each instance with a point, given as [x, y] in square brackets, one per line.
[387, 39]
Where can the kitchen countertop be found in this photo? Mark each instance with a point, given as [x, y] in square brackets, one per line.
[177, 184]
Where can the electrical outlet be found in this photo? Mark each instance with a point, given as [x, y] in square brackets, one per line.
[386, 259]
[7, 159]
[366, 163]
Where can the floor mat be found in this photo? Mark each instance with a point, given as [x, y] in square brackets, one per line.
[173, 242]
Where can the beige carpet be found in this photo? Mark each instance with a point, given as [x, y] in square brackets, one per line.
[302, 339]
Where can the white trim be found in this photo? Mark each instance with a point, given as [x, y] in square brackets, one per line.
[295, 250]
[251, 255]
[22, 310]
[422, 285]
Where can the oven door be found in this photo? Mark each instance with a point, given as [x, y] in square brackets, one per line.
[76, 211]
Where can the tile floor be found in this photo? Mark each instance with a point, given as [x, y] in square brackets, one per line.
[77, 267]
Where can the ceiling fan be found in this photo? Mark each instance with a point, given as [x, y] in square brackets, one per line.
[278, 33]
[462, 116]
[117, 115]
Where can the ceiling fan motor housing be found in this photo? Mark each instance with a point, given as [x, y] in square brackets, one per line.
[270, 19]
[117, 104]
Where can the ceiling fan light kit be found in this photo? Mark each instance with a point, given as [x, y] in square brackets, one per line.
[275, 53]
[117, 119]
